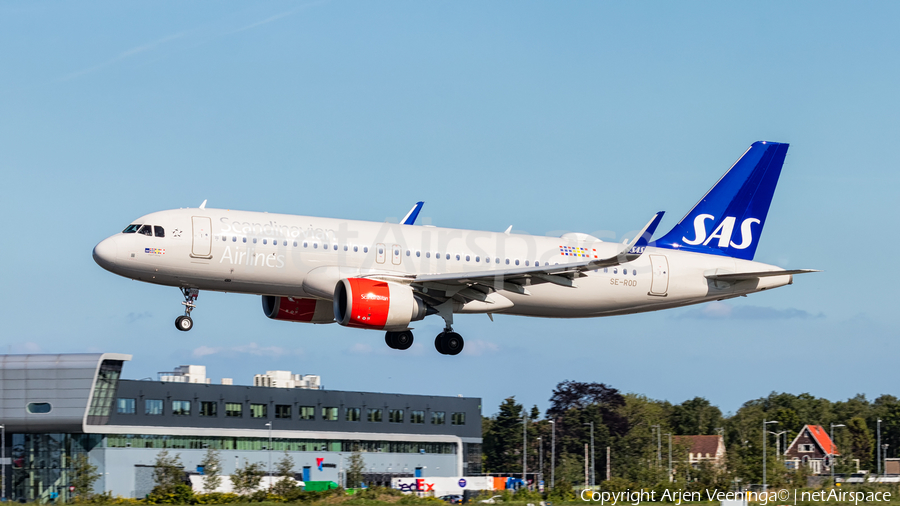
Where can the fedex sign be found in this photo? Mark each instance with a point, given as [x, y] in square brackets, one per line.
[723, 232]
[418, 485]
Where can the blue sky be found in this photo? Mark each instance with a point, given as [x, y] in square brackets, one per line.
[548, 116]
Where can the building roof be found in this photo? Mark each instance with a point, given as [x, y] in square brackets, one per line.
[822, 439]
[701, 444]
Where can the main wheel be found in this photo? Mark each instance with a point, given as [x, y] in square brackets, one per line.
[389, 340]
[403, 340]
[184, 323]
[452, 343]
[438, 343]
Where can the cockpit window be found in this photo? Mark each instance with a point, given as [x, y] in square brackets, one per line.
[130, 229]
[158, 231]
[146, 230]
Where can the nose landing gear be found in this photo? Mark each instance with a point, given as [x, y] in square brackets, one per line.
[185, 323]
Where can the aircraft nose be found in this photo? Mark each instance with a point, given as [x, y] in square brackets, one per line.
[105, 253]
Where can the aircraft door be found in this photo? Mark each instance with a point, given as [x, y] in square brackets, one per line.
[659, 283]
[397, 254]
[202, 234]
[379, 253]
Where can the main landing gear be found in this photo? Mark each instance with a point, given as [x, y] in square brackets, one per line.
[184, 323]
[449, 342]
[399, 340]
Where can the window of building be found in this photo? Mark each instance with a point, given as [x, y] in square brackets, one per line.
[153, 407]
[234, 409]
[438, 417]
[416, 416]
[36, 408]
[376, 415]
[806, 448]
[181, 408]
[258, 410]
[352, 414]
[125, 406]
[307, 413]
[458, 419]
[395, 416]
[208, 408]
[329, 413]
[282, 411]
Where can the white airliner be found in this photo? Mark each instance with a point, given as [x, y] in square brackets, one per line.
[384, 276]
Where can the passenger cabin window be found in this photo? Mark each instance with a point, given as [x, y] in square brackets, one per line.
[130, 229]
[146, 230]
[158, 231]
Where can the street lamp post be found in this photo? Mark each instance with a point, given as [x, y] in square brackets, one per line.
[3, 462]
[831, 450]
[540, 460]
[878, 448]
[658, 445]
[524, 449]
[553, 455]
[269, 425]
[670, 456]
[593, 469]
[764, 486]
[778, 441]
[884, 448]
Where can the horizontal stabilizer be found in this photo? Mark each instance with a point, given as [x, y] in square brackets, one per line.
[742, 276]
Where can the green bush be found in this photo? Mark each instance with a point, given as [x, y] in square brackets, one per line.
[179, 494]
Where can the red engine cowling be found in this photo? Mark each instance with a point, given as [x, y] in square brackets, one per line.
[373, 304]
[298, 310]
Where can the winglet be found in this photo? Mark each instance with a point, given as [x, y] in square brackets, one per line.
[410, 218]
[636, 248]
[508, 230]
[203, 205]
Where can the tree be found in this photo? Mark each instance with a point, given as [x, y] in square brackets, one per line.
[861, 443]
[355, 467]
[696, 417]
[285, 469]
[503, 439]
[84, 475]
[248, 477]
[212, 470]
[168, 472]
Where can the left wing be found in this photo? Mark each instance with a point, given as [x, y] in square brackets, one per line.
[478, 285]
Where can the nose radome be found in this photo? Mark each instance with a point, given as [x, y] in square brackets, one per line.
[105, 253]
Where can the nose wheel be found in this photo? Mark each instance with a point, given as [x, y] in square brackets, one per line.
[449, 342]
[185, 323]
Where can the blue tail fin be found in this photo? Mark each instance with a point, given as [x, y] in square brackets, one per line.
[729, 219]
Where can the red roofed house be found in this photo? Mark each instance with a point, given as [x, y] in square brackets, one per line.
[810, 448]
[703, 449]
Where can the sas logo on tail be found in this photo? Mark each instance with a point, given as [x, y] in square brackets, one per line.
[723, 232]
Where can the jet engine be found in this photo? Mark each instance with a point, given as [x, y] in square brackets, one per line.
[298, 310]
[373, 304]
